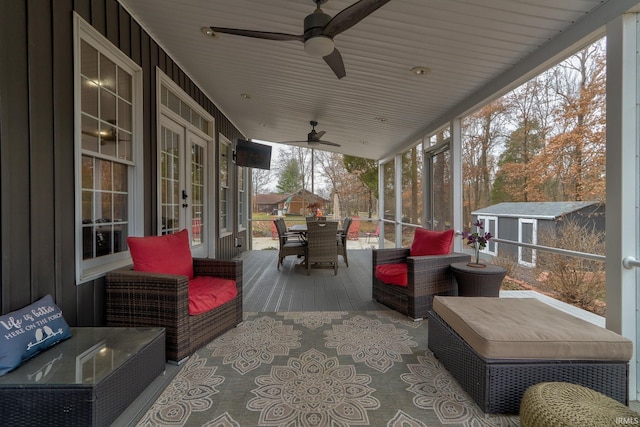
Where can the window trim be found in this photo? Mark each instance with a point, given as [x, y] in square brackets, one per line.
[87, 270]
[486, 219]
[243, 215]
[534, 240]
[228, 229]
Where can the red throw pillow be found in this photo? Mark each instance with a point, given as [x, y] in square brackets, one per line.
[168, 254]
[429, 242]
[392, 274]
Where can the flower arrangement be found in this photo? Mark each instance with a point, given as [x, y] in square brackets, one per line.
[478, 240]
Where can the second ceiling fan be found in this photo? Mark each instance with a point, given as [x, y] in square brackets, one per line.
[319, 31]
[314, 137]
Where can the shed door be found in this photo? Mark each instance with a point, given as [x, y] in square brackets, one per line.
[527, 233]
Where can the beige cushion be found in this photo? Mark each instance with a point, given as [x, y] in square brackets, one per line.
[526, 328]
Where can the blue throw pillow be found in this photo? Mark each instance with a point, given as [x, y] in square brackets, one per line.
[30, 330]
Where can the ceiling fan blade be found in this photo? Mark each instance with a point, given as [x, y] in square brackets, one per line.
[258, 34]
[350, 16]
[333, 144]
[293, 142]
[334, 61]
[318, 135]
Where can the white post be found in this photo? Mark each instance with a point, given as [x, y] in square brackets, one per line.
[623, 175]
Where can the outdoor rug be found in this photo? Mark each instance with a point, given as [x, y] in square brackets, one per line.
[317, 369]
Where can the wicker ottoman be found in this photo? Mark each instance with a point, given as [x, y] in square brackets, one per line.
[497, 348]
[563, 404]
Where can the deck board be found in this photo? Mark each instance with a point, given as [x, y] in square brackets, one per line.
[267, 289]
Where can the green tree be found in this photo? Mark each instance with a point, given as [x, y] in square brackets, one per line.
[516, 174]
[290, 180]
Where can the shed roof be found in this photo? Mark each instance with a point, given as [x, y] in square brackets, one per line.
[539, 210]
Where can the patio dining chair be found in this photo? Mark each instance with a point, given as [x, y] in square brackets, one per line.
[375, 234]
[289, 243]
[354, 230]
[321, 246]
[342, 239]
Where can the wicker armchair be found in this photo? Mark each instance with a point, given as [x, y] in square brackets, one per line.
[143, 299]
[426, 276]
[322, 246]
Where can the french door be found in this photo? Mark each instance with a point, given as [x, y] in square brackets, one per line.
[183, 200]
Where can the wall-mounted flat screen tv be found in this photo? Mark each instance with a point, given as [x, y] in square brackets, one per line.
[253, 155]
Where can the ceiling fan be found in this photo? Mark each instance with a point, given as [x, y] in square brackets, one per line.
[313, 137]
[319, 31]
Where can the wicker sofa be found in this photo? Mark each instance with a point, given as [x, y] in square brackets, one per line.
[427, 276]
[144, 299]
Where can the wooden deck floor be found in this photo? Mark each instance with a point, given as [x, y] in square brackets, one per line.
[267, 289]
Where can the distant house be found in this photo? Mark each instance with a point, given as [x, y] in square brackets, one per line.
[296, 203]
[524, 222]
[269, 203]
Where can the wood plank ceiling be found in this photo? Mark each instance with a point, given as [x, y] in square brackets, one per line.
[472, 48]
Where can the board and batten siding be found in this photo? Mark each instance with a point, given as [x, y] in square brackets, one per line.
[37, 208]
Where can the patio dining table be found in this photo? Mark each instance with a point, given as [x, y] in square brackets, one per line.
[302, 229]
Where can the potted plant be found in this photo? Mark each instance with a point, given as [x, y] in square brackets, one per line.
[478, 240]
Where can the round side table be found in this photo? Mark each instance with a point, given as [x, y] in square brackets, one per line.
[478, 281]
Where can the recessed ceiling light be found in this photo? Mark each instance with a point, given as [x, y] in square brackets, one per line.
[208, 32]
[420, 71]
[245, 95]
[262, 124]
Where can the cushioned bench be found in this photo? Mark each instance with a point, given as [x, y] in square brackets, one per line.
[497, 347]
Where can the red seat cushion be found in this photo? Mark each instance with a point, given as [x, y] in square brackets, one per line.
[392, 274]
[168, 254]
[429, 242]
[207, 293]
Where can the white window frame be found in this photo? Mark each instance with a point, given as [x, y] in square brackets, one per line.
[534, 241]
[225, 199]
[90, 269]
[243, 200]
[486, 221]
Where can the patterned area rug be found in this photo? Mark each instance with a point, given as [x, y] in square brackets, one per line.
[316, 369]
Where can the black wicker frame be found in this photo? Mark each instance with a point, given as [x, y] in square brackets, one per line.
[87, 404]
[427, 276]
[142, 299]
[497, 385]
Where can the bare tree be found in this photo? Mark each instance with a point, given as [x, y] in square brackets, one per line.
[482, 131]
[577, 281]
[260, 180]
[576, 154]
[351, 191]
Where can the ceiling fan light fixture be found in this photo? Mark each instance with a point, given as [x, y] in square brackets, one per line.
[319, 46]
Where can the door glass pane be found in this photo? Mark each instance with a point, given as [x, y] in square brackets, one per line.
[197, 194]
[169, 183]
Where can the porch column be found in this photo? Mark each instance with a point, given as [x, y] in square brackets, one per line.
[397, 188]
[623, 175]
[456, 181]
